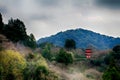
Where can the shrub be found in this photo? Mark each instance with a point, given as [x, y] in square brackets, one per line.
[30, 56]
[107, 59]
[37, 69]
[96, 62]
[46, 53]
[12, 64]
[112, 73]
[65, 57]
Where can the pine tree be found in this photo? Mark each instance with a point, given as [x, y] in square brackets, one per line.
[1, 24]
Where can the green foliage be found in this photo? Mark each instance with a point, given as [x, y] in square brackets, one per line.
[116, 52]
[96, 62]
[1, 23]
[65, 57]
[46, 53]
[112, 73]
[37, 69]
[107, 59]
[16, 29]
[43, 45]
[30, 41]
[12, 64]
[70, 44]
[16, 32]
[35, 72]
[30, 56]
[116, 49]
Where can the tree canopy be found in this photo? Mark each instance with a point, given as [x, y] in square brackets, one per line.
[70, 44]
[113, 70]
[1, 23]
[15, 31]
[65, 57]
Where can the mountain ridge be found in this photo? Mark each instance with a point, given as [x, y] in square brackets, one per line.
[83, 39]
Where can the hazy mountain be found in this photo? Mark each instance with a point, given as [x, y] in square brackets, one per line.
[83, 39]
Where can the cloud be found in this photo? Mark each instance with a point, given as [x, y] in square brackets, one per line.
[47, 3]
[3, 9]
[47, 17]
[113, 4]
[40, 17]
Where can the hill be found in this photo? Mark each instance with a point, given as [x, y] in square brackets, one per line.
[83, 38]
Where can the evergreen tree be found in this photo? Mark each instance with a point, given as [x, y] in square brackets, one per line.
[1, 24]
[30, 41]
[46, 53]
[116, 49]
[15, 30]
[70, 44]
[112, 73]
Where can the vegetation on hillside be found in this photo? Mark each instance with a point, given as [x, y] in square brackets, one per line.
[12, 63]
[16, 32]
[43, 62]
[65, 57]
[15, 65]
[70, 44]
[37, 69]
[83, 39]
[113, 70]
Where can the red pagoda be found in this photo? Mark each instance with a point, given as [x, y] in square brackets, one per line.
[88, 53]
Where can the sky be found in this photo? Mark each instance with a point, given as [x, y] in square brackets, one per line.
[48, 17]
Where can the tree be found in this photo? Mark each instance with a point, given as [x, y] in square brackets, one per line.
[1, 24]
[46, 53]
[30, 41]
[65, 57]
[112, 73]
[15, 30]
[70, 44]
[113, 70]
[116, 52]
[116, 49]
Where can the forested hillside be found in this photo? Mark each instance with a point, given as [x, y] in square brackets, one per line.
[83, 39]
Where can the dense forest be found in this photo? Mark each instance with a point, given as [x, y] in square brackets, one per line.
[22, 59]
[83, 39]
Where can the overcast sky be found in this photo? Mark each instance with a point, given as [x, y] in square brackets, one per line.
[47, 17]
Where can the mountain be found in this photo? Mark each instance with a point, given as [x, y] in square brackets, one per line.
[83, 39]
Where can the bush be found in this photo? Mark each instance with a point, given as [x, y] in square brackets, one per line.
[112, 73]
[12, 64]
[35, 72]
[46, 53]
[65, 57]
[107, 59]
[97, 62]
[30, 56]
[37, 69]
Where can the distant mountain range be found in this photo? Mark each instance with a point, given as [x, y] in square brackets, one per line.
[83, 39]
